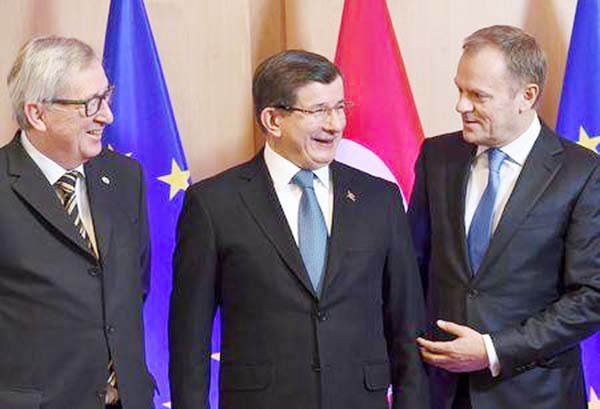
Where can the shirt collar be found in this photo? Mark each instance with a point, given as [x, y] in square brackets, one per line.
[52, 170]
[519, 149]
[282, 170]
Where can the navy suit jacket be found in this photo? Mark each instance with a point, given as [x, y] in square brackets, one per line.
[537, 292]
[282, 346]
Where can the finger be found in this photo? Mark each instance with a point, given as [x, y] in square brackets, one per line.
[436, 347]
[433, 358]
[453, 328]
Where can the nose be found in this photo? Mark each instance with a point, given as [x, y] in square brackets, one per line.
[463, 104]
[335, 122]
[105, 114]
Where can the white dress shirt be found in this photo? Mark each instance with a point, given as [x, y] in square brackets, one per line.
[53, 171]
[517, 152]
[282, 171]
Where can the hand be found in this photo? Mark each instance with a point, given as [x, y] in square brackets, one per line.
[466, 353]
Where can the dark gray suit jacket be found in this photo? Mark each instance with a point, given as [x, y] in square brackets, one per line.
[61, 310]
[282, 346]
[537, 292]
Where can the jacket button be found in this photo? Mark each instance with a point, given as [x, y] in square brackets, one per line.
[110, 329]
[316, 368]
[101, 395]
[94, 271]
[472, 293]
[321, 316]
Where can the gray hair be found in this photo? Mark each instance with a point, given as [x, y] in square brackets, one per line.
[525, 60]
[42, 70]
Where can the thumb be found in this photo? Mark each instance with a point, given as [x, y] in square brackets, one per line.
[453, 328]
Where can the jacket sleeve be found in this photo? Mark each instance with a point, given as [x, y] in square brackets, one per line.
[404, 313]
[193, 305]
[576, 314]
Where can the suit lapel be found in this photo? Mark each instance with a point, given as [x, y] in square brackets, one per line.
[540, 168]
[457, 176]
[259, 196]
[33, 187]
[100, 196]
[342, 217]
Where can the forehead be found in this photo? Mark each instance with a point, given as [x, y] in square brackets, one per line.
[483, 68]
[87, 81]
[317, 93]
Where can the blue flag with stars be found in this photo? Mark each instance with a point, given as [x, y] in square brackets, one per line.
[145, 129]
[579, 121]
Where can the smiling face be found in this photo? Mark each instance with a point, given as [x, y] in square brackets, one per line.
[69, 137]
[495, 108]
[308, 142]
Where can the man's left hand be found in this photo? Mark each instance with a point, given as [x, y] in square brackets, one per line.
[466, 353]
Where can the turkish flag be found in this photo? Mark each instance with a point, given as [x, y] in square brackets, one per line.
[383, 135]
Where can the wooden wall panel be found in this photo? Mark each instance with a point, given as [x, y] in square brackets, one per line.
[209, 50]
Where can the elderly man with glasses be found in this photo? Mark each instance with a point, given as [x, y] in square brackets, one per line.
[309, 260]
[75, 248]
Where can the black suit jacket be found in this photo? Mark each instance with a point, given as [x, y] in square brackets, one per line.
[282, 346]
[61, 310]
[537, 292]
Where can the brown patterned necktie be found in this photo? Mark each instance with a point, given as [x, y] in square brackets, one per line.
[65, 188]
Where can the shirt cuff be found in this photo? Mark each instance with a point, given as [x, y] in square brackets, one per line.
[494, 363]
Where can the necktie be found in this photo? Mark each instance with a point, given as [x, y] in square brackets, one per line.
[65, 188]
[480, 230]
[312, 231]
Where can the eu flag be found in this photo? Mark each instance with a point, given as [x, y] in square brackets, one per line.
[145, 128]
[579, 120]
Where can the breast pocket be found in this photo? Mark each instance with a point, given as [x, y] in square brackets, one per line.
[20, 399]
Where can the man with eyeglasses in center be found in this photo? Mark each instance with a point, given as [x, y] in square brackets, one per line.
[75, 246]
[309, 261]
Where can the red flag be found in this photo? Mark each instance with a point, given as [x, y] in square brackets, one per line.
[383, 118]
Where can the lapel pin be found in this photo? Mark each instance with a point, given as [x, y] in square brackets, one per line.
[350, 195]
[105, 180]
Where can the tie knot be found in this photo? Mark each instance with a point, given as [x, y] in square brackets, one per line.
[304, 179]
[67, 182]
[495, 158]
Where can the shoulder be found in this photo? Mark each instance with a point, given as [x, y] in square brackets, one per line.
[364, 184]
[574, 156]
[226, 182]
[445, 142]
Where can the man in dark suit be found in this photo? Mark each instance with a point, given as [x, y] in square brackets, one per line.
[506, 224]
[74, 235]
[317, 284]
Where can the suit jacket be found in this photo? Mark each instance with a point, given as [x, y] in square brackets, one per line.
[61, 309]
[282, 346]
[537, 292]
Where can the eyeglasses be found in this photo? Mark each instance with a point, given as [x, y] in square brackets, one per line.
[320, 114]
[92, 105]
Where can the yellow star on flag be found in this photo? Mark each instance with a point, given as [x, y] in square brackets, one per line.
[594, 401]
[586, 141]
[178, 179]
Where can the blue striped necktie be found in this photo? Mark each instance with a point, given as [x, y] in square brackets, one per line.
[312, 231]
[480, 230]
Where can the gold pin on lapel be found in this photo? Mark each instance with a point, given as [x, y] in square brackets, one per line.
[350, 195]
[105, 180]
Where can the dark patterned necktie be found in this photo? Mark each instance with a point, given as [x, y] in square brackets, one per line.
[65, 188]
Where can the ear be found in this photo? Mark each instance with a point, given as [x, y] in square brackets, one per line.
[35, 114]
[529, 97]
[270, 119]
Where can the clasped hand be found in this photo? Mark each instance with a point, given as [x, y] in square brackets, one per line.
[466, 353]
